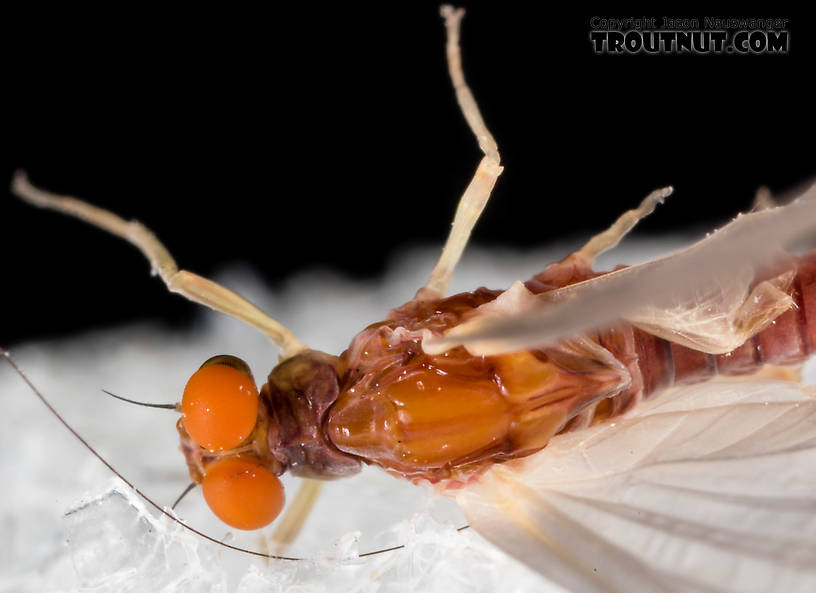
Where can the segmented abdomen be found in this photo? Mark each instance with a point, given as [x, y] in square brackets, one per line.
[655, 363]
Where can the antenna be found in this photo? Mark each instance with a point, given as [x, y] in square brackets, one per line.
[130, 401]
[183, 494]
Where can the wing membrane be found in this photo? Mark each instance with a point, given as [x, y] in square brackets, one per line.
[727, 255]
[710, 488]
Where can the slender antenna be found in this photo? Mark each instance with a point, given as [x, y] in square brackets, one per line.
[183, 494]
[130, 401]
[374, 553]
[7, 355]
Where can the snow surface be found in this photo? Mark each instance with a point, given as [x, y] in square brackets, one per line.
[68, 526]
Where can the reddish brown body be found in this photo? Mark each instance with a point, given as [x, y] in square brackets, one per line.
[436, 417]
[445, 417]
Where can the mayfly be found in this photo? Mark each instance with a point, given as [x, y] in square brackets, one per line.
[534, 405]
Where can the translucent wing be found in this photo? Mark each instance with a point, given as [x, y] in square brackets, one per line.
[710, 488]
[704, 288]
[722, 314]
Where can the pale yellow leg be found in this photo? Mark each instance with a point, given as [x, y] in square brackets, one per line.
[187, 284]
[295, 516]
[477, 193]
[625, 223]
[763, 200]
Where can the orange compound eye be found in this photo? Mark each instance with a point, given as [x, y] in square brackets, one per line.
[220, 404]
[242, 492]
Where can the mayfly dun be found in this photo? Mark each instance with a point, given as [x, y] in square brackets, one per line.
[535, 406]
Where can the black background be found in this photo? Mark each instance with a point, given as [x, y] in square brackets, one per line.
[330, 136]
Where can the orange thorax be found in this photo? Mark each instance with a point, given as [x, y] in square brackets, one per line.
[445, 416]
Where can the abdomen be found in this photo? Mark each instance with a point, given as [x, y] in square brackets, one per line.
[655, 363]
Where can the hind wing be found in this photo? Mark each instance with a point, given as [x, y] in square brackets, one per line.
[709, 488]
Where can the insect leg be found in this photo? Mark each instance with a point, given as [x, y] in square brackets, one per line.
[578, 266]
[621, 227]
[478, 191]
[295, 516]
[763, 200]
[189, 285]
